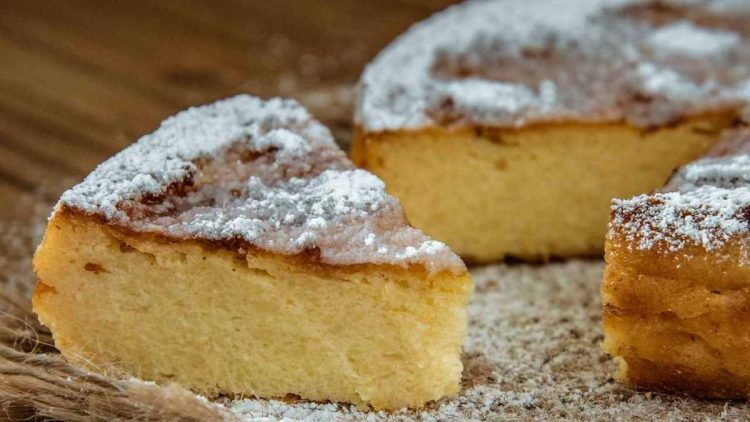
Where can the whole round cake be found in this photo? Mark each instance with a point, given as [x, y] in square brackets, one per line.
[506, 127]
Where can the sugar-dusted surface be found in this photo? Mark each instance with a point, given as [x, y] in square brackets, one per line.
[532, 353]
[706, 203]
[509, 63]
[707, 216]
[726, 165]
[264, 172]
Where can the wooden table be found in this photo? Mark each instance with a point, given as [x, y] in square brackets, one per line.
[81, 79]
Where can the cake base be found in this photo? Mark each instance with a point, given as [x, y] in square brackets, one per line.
[253, 323]
[533, 193]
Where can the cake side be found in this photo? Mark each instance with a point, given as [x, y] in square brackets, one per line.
[261, 324]
[532, 193]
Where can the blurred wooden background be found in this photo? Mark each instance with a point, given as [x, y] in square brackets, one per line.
[81, 79]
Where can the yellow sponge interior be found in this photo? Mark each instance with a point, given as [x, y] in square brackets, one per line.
[532, 193]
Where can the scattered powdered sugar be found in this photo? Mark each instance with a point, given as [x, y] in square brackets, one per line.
[509, 63]
[688, 39]
[259, 171]
[476, 403]
[532, 353]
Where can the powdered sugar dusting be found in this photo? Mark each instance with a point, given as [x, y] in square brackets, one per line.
[509, 63]
[476, 96]
[707, 203]
[729, 172]
[287, 142]
[731, 6]
[707, 217]
[659, 80]
[259, 171]
[166, 156]
[687, 39]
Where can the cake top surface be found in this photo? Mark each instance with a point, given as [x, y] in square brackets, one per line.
[706, 203]
[261, 172]
[511, 63]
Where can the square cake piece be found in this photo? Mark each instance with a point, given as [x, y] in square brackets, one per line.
[676, 288]
[236, 250]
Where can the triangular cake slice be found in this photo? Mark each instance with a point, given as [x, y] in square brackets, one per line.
[237, 250]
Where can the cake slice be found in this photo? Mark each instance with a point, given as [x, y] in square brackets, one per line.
[676, 288]
[236, 250]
